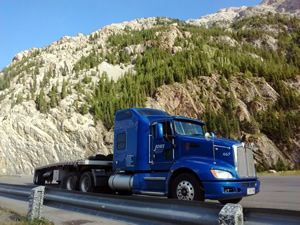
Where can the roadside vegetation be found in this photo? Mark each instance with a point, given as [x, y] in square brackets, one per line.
[8, 217]
[26, 222]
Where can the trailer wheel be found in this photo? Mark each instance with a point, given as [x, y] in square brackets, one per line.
[187, 187]
[86, 183]
[70, 182]
[233, 200]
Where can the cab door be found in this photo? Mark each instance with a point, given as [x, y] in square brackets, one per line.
[162, 145]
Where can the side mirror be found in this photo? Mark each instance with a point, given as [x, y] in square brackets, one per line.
[210, 135]
[207, 135]
[159, 131]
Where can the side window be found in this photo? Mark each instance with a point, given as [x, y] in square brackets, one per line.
[121, 141]
[167, 131]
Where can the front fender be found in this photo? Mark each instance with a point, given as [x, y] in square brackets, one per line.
[200, 166]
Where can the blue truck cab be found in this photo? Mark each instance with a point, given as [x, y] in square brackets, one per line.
[159, 154]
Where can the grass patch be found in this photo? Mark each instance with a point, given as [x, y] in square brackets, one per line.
[280, 173]
[26, 222]
[8, 217]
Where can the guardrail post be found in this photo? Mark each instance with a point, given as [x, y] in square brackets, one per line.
[231, 214]
[36, 200]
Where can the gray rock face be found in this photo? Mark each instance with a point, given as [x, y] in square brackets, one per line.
[251, 94]
[283, 5]
[225, 17]
[30, 139]
[266, 153]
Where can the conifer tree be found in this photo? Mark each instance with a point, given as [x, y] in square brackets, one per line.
[63, 89]
[41, 102]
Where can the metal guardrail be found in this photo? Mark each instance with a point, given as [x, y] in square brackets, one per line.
[258, 216]
[147, 208]
[162, 210]
[14, 191]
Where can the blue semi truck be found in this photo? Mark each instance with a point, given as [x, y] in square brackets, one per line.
[163, 155]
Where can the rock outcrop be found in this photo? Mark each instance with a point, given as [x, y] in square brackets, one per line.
[185, 99]
[30, 138]
[225, 17]
[292, 6]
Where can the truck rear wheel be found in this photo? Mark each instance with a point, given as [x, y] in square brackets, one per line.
[233, 200]
[86, 183]
[70, 182]
[187, 187]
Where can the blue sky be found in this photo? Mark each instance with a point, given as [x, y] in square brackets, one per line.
[38, 23]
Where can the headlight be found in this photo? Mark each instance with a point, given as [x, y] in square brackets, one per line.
[221, 174]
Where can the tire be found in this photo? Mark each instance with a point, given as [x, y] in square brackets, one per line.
[187, 187]
[86, 183]
[233, 200]
[70, 182]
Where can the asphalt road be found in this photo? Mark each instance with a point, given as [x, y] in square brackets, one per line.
[58, 215]
[276, 192]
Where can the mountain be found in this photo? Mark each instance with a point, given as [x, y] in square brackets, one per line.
[57, 103]
[291, 6]
[227, 16]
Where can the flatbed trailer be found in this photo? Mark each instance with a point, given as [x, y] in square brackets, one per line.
[88, 174]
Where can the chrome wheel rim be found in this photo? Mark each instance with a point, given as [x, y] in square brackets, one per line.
[185, 191]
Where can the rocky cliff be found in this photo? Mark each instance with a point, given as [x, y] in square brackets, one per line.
[30, 138]
[225, 17]
[57, 103]
[183, 99]
[291, 6]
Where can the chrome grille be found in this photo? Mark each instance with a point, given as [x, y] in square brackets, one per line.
[244, 161]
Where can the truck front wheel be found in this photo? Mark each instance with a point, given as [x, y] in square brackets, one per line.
[187, 187]
[233, 200]
[86, 183]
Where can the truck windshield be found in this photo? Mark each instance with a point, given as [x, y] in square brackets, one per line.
[188, 128]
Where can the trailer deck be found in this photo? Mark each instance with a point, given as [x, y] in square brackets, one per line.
[85, 162]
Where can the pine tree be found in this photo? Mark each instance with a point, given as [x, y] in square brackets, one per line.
[41, 102]
[63, 89]
[54, 96]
